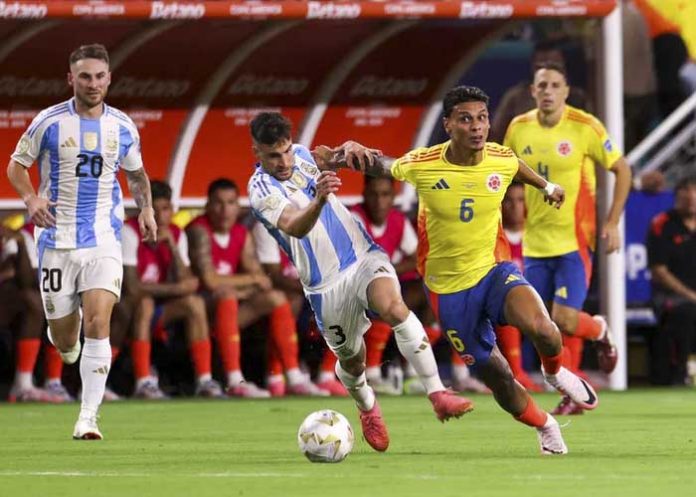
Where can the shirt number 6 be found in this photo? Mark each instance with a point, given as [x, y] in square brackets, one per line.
[466, 210]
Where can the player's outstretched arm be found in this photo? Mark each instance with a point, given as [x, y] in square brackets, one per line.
[553, 194]
[298, 222]
[139, 187]
[38, 208]
[350, 155]
[622, 187]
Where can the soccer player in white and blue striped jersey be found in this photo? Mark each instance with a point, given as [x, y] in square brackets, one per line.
[343, 271]
[79, 146]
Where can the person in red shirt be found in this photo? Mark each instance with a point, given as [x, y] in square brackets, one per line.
[159, 275]
[238, 292]
[391, 230]
[20, 309]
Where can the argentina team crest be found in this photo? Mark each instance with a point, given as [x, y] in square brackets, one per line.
[564, 149]
[89, 141]
[299, 179]
[494, 183]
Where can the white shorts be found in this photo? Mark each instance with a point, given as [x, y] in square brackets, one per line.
[66, 273]
[340, 308]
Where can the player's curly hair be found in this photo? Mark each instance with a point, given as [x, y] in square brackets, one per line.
[160, 189]
[93, 51]
[269, 128]
[460, 94]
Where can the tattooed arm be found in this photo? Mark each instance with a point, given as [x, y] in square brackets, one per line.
[139, 187]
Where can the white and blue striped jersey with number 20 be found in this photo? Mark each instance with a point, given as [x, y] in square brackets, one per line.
[78, 161]
[335, 242]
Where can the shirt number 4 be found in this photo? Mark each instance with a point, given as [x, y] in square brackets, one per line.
[466, 210]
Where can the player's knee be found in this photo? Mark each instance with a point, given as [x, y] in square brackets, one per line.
[96, 324]
[195, 305]
[565, 320]
[394, 312]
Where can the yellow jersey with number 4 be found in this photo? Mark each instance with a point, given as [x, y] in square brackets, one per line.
[459, 219]
[566, 155]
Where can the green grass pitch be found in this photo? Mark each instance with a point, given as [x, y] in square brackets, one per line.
[638, 443]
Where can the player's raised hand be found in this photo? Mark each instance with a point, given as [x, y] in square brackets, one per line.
[357, 156]
[39, 211]
[610, 235]
[147, 224]
[557, 197]
[327, 184]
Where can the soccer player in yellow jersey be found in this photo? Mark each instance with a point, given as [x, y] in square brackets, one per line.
[563, 144]
[460, 185]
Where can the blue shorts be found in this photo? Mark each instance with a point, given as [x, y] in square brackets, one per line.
[468, 317]
[563, 279]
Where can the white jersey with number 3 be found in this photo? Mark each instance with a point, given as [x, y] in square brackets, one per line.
[335, 242]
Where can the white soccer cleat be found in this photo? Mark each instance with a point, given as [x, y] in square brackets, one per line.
[86, 429]
[574, 387]
[72, 355]
[550, 438]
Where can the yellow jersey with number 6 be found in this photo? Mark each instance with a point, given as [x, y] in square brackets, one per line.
[459, 217]
[566, 155]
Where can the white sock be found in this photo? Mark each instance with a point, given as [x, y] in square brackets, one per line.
[94, 369]
[234, 378]
[203, 378]
[23, 380]
[414, 346]
[374, 373]
[327, 376]
[357, 388]
[295, 376]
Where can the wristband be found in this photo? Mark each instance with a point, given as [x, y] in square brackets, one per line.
[549, 188]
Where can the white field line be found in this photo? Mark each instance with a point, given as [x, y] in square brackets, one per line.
[251, 475]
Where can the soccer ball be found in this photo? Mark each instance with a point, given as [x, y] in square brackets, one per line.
[325, 436]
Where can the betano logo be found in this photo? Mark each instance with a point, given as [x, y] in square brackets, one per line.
[16, 10]
[176, 10]
[148, 88]
[14, 86]
[374, 86]
[319, 10]
[486, 10]
[252, 84]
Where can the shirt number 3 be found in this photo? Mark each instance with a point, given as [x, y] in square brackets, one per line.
[466, 210]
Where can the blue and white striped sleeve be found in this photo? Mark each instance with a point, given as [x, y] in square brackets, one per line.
[131, 159]
[29, 145]
[267, 200]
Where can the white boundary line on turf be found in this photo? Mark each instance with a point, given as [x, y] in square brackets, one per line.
[225, 474]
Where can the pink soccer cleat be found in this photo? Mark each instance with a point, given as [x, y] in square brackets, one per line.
[447, 404]
[334, 387]
[374, 429]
